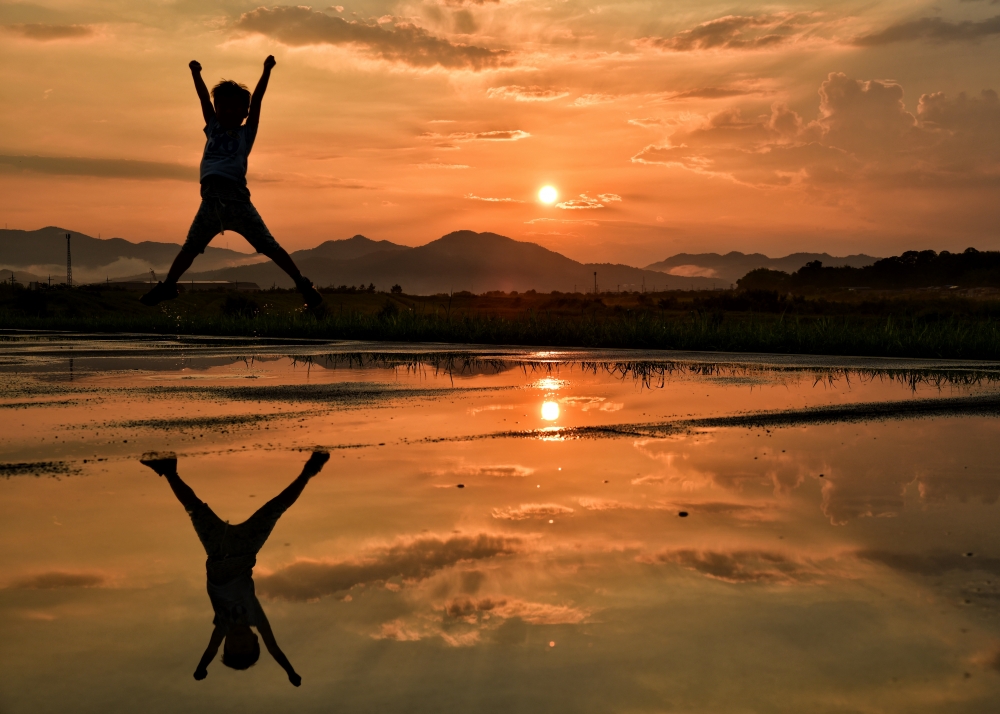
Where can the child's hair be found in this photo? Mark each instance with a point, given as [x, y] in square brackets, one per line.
[242, 660]
[229, 91]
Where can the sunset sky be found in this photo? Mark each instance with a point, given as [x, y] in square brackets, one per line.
[665, 126]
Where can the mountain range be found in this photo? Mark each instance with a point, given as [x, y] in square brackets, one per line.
[43, 253]
[732, 266]
[462, 260]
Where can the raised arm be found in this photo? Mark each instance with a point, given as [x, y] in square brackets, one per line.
[213, 649]
[207, 110]
[264, 628]
[253, 119]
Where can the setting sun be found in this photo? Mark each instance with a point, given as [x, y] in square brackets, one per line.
[548, 194]
[550, 411]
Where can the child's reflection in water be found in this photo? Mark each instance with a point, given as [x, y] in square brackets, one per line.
[232, 554]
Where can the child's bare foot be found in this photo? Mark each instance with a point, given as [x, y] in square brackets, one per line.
[315, 463]
[160, 292]
[162, 462]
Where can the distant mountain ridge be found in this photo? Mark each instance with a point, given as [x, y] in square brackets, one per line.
[734, 265]
[43, 252]
[462, 260]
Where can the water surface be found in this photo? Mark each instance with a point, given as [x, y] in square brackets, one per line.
[502, 530]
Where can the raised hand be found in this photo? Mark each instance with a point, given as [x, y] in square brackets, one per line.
[195, 65]
[270, 62]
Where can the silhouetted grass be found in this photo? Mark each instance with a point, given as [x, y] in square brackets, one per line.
[954, 338]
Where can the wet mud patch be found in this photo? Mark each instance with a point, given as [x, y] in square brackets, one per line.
[37, 469]
[218, 423]
[31, 405]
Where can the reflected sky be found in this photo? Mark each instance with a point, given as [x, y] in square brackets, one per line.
[453, 556]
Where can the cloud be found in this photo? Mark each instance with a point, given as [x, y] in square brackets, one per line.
[712, 93]
[394, 41]
[932, 29]
[409, 559]
[439, 165]
[489, 471]
[582, 203]
[100, 168]
[473, 197]
[531, 510]
[534, 613]
[43, 32]
[862, 134]
[647, 122]
[741, 566]
[734, 32]
[609, 197]
[495, 135]
[463, 620]
[57, 580]
[525, 94]
[589, 100]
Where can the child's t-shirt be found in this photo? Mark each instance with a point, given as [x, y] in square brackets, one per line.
[226, 152]
[235, 603]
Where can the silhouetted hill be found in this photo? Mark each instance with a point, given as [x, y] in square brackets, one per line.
[913, 269]
[732, 266]
[44, 251]
[463, 260]
[349, 248]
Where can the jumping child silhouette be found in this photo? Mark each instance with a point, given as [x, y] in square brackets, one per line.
[232, 554]
[225, 198]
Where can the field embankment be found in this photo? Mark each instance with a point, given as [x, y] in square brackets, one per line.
[914, 324]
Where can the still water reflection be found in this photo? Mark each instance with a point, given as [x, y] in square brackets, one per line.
[494, 531]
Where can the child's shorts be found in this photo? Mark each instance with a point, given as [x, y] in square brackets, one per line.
[216, 215]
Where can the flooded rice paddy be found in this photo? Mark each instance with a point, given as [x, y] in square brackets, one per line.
[498, 530]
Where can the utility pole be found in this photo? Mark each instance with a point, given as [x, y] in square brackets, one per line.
[69, 262]
[595, 282]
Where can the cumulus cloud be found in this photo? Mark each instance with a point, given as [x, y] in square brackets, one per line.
[734, 32]
[531, 510]
[525, 94]
[932, 29]
[43, 32]
[582, 203]
[409, 559]
[741, 566]
[862, 132]
[101, 168]
[393, 40]
[57, 580]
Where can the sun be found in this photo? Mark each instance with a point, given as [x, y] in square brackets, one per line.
[550, 411]
[548, 194]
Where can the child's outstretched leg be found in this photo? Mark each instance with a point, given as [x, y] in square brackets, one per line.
[255, 530]
[284, 261]
[167, 290]
[207, 525]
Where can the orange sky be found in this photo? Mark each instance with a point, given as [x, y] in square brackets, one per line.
[666, 127]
